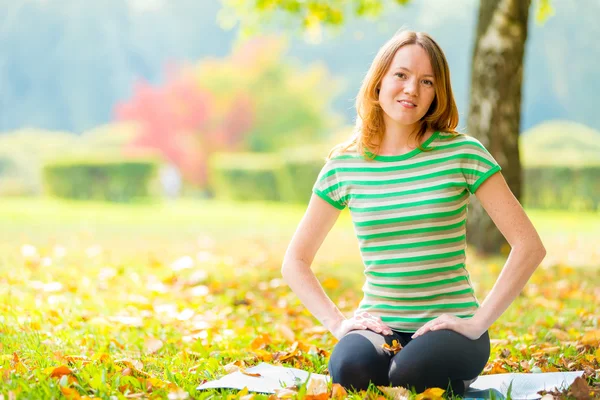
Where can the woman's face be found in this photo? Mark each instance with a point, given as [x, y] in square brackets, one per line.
[407, 88]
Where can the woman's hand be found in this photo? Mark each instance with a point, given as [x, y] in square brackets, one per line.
[466, 327]
[360, 321]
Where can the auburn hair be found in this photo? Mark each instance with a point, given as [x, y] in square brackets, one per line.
[370, 128]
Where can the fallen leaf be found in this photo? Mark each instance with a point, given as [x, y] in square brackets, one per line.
[431, 394]
[254, 374]
[286, 332]
[591, 338]
[560, 334]
[260, 341]
[70, 393]
[60, 371]
[396, 393]
[338, 391]
[394, 348]
[152, 345]
[580, 389]
[316, 386]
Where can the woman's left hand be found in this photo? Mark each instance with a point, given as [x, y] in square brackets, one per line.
[466, 327]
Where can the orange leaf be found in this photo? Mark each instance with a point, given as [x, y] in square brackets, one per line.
[394, 348]
[60, 371]
[338, 391]
[69, 393]
[322, 396]
[254, 374]
[260, 341]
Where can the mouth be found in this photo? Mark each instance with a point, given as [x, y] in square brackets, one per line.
[406, 103]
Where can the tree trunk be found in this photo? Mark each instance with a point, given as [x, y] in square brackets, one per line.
[495, 104]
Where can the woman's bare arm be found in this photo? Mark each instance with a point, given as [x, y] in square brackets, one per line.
[310, 234]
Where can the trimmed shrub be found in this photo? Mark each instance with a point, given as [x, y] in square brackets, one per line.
[562, 188]
[246, 176]
[100, 179]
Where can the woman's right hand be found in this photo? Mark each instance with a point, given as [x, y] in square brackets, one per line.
[360, 321]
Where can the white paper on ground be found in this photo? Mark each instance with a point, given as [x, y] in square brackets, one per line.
[272, 377]
[525, 386]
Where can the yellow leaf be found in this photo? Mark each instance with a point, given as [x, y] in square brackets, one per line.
[431, 394]
[591, 338]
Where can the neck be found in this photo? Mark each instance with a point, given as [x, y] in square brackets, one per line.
[397, 138]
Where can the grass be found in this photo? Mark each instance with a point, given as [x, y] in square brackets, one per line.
[153, 299]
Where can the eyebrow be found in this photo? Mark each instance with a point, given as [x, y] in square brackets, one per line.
[406, 69]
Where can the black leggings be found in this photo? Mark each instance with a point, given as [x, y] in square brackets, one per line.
[441, 359]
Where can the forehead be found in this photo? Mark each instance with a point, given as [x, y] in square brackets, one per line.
[412, 57]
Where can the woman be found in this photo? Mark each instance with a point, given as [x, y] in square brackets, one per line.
[406, 177]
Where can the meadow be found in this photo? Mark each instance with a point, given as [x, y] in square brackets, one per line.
[150, 300]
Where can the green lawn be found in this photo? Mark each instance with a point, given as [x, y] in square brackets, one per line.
[153, 299]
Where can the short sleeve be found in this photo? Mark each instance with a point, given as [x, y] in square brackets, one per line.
[477, 164]
[329, 187]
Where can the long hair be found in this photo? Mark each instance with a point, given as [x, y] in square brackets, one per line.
[370, 128]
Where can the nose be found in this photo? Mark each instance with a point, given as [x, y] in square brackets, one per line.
[411, 87]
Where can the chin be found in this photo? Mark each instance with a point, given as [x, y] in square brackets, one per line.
[403, 120]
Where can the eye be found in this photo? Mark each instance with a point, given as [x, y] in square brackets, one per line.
[428, 82]
[400, 74]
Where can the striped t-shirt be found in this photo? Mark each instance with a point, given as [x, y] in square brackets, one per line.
[409, 213]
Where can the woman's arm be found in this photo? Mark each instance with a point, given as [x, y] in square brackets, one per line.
[527, 251]
[310, 234]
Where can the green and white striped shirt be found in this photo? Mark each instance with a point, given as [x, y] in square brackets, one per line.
[409, 213]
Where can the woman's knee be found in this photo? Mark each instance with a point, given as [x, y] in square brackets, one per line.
[355, 362]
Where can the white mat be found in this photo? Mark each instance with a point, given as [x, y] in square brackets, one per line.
[525, 386]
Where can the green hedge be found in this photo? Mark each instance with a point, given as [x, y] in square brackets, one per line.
[562, 188]
[289, 177]
[286, 177]
[246, 176]
[105, 180]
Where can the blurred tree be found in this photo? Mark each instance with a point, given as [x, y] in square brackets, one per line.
[179, 120]
[291, 105]
[496, 79]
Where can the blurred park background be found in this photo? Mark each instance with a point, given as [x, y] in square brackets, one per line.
[168, 138]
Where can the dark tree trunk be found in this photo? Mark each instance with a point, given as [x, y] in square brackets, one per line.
[495, 104]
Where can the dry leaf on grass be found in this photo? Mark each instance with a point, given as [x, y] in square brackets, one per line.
[152, 345]
[338, 391]
[431, 394]
[60, 371]
[580, 389]
[591, 338]
[395, 393]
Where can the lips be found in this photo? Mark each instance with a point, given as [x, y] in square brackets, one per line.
[407, 103]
